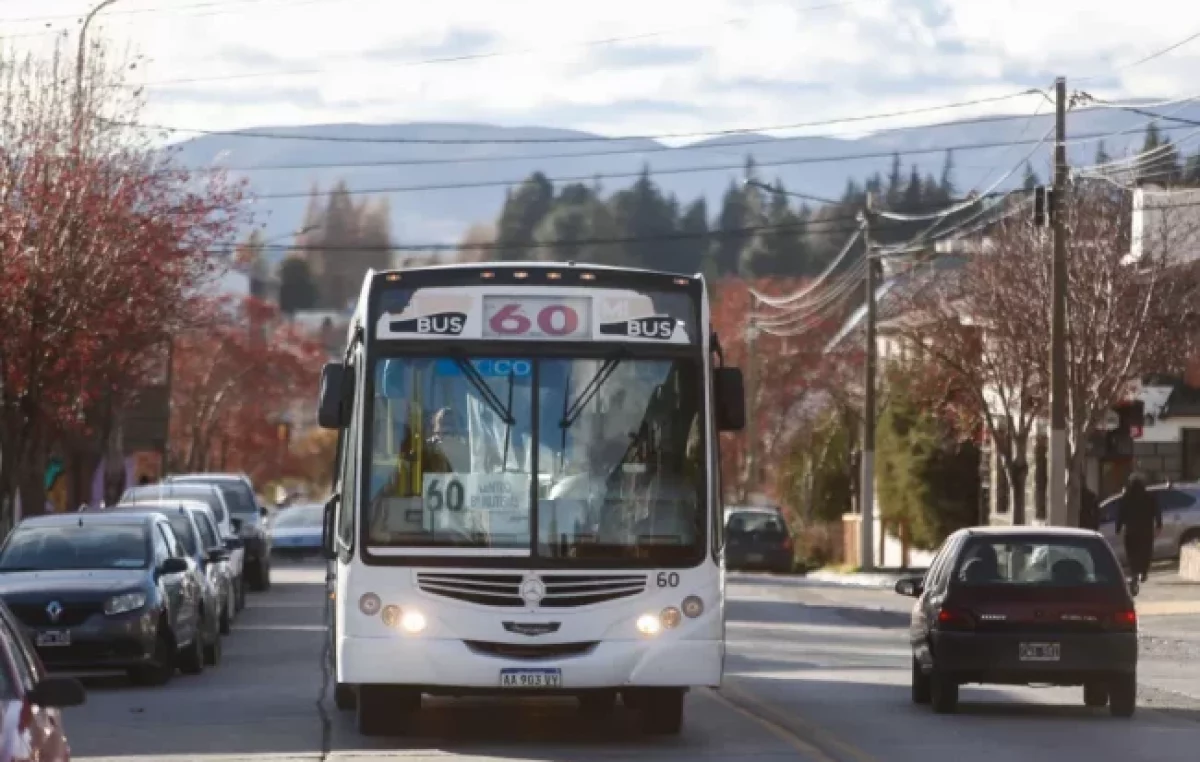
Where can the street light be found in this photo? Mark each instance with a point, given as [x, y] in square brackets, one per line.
[79, 59]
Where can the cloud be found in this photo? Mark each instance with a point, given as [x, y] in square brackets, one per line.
[680, 65]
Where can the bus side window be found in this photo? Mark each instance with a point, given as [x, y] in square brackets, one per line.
[348, 484]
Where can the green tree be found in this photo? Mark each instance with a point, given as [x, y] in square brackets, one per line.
[946, 186]
[779, 249]
[643, 214]
[1031, 179]
[524, 209]
[297, 290]
[895, 184]
[693, 245]
[1102, 156]
[928, 480]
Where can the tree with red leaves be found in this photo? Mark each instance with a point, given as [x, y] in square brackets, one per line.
[235, 384]
[102, 242]
[791, 377]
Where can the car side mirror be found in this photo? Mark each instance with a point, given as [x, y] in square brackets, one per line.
[234, 543]
[262, 511]
[174, 565]
[729, 396]
[217, 555]
[336, 386]
[57, 693]
[236, 524]
[910, 586]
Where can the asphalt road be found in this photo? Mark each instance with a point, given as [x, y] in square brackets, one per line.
[813, 674]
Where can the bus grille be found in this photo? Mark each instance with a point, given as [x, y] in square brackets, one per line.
[529, 651]
[504, 590]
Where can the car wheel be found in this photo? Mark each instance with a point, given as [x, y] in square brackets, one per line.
[344, 696]
[1122, 695]
[191, 657]
[161, 668]
[920, 684]
[662, 711]
[598, 703]
[385, 710]
[1095, 694]
[266, 574]
[943, 693]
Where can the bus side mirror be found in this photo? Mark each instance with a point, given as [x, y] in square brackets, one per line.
[330, 407]
[729, 397]
[328, 527]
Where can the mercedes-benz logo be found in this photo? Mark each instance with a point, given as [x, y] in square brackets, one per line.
[532, 590]
[54, 610]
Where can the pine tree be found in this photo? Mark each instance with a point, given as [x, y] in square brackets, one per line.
[523, 210]
[297, 290]
[894, 185]
[1102, 156]
[1031, 179]
[946, 186]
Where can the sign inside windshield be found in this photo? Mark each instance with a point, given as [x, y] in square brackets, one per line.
[455, 492]
[541, 314]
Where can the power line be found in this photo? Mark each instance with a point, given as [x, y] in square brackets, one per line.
[683, 170]
[134, 11]
[621, 240]
[1146, 59]
[269, 135]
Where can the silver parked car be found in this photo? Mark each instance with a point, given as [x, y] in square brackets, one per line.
[1180, 505]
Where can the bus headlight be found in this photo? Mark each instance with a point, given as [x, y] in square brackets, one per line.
[670, 617]
[369, 604]
[413, 621]
[649, 624]
[692, 606]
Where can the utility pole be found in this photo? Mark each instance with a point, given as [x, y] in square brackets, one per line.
[751, 407]
[1058, 514]
[867, 487]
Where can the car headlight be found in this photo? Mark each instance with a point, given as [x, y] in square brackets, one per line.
[124, 603]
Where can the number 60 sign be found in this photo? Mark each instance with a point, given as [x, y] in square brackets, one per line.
[536, 317]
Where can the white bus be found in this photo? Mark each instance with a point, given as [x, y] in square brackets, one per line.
[527, 490]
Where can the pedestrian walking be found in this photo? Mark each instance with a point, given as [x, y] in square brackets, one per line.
[1141, 518]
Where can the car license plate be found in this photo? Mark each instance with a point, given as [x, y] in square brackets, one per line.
[1040, 652]
[53, 638]
[531, 678]
[754, 558]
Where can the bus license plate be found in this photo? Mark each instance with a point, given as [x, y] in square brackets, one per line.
[1040, 652]
[530, 678]
[53, 638]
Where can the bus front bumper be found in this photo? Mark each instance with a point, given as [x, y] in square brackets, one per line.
[447, 663]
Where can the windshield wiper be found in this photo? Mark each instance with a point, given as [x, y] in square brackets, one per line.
[591, 389]
[479, 383]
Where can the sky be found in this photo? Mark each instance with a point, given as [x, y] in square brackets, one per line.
[620, 67]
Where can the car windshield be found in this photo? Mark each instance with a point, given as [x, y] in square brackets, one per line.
[72, 546]
[1037, 561]
[617, 448]
[300, 516]
[746, 522]
[206, 494]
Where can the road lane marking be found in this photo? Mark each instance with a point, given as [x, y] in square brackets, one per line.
[777, 716]
[782, 733]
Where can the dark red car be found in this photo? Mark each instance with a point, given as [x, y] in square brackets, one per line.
[31, 724]
[1024, 606]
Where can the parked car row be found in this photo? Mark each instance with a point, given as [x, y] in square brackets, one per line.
[147, 586]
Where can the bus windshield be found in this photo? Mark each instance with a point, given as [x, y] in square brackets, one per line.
[605, 454]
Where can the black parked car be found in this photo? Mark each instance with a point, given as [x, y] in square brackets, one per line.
[210, 559]
[1023, 606]
[758, 538]
[105, 591]
[251, 518]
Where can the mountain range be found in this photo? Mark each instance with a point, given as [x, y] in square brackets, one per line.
[479, 161]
